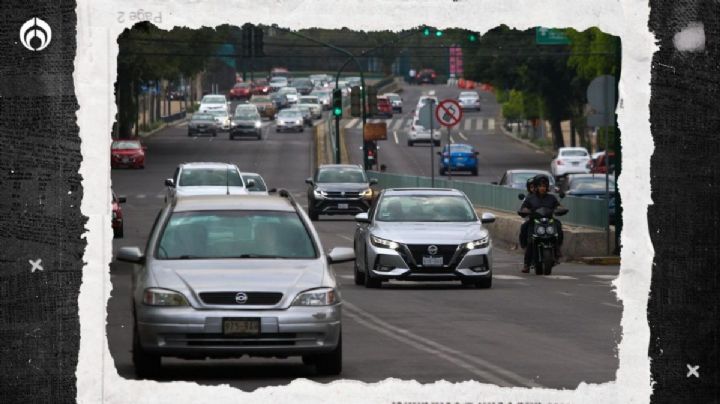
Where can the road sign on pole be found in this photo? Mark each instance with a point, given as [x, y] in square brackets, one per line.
[550, 36]
[448, 112]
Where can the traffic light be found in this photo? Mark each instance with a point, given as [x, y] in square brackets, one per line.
[472, 37]
[257, 41]
[426, 31]
[438, 33]
[337, 103]
[372, 100]
[355, 101]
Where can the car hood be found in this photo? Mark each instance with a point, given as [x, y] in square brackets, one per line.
[429, 232]
[127, 151]
[288, 277]
[342, 186]
[210, 190]
[246, 121]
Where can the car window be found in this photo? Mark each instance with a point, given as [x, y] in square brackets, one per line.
[289, 114]
[461, 148]
[341, 175]
[201, 117]
[246, 114]
[235, 234]
[587, 183]
[125, 145]
[425, 208]
[242, 85]
[259, 183]
[574, 153]
[198, 177]
[213, 100]
[521, 178]
[260, 99]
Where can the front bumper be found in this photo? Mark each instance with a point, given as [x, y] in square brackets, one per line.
[424, 136]
[341, 206]
[241, 130]
[190, 333]
[405, 264]
[287, 126]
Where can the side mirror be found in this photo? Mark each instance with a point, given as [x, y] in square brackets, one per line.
[487, 218]
[122, 199]
[250, 183]
[339, 255]
[477, 153]
[521, 197]
[130, 254]
[373, 181]
[309, 181]
[271, 190]
[362, 218]
[169, 182]
[561, 211]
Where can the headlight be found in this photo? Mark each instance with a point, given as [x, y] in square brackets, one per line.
[258, 124]
[319, 194]
[317, 297]
[299, 121]
[233, 123]
[381, 242]
[540, 230]
[367, 193]
[550, 230]
[163, 297]
[481, 243]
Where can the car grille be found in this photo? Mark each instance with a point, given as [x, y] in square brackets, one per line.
[254, 298]
[246, 126]
[269, 339]
[420, 250]
[339, 195]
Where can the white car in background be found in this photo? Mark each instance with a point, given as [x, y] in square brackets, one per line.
[420, 134]
[469, 100]
[313, 103]
[213, 102]
[222, 118]
[259, 187]
[570, 160]
[291, 93]
[206, 178]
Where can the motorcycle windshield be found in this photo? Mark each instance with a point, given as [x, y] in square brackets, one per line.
[544, 212]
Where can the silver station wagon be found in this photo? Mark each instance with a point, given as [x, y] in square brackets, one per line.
[423, 234]
[232, 275]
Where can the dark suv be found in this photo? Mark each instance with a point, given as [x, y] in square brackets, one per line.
[339, 189]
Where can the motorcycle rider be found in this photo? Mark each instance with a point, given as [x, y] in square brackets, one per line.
[530, 187]
[541, 198]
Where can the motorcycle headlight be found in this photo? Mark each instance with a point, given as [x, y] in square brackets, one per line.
[550, 230]
[163, 297]
[317, 297]
[540, 230]
[481, 243]
[381, 242]
[367, 193]
[319, 194]
[258, 124]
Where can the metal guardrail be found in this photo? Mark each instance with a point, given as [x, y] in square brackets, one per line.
[582, 211]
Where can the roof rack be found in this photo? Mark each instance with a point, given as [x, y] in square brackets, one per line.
[284, 193]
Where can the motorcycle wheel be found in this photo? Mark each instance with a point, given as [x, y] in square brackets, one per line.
[548, 260]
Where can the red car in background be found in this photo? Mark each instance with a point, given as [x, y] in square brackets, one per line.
[384, 107]
[117, 215]
[127, 153]
[600, 166]
[240, 91]
[426, 76]
[260, 87]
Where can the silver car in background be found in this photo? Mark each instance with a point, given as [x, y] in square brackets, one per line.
[469, 100]
[205, 178]
[228, 275]
[426, 234]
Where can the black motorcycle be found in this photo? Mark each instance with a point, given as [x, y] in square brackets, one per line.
[543, 241]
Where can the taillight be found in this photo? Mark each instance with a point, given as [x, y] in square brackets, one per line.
[559, 162]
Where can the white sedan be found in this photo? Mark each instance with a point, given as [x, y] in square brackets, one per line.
[570, 160]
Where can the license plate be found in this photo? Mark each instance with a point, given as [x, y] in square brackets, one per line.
[342, 205]
[125, 160]
[460, 158]
[432, 261]
[575, 163]
[241, 326]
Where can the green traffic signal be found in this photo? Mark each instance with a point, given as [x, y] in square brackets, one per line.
[472, 37]
[337, 111]
[438, 33]
[426, 31]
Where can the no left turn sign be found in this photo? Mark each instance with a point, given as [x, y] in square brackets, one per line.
[448, 112]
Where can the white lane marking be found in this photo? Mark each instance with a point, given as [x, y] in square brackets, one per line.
[538, 152]
[462, 136]
[451, 139]
[508, 277]
[352, 123]
[612, 305]
[396, 138]
[348, 238]
[158, 196]
[561, 277]
[397, 124]
[491, 124]
[346, 276]
[491, 372]
[140, 196]
[608, 277]
[467, 124]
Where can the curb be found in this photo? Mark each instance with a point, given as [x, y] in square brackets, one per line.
[173, 124]
[612, 260]
[523, 141]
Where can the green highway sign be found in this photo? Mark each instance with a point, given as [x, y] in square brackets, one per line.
[550, 36]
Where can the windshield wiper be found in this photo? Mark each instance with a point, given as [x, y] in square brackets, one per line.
[254, 256]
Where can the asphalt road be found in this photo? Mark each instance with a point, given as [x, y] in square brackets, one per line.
[552, 331]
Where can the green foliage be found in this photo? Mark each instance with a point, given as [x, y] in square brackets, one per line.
[593, 53]
[601, 134]
[513, 108]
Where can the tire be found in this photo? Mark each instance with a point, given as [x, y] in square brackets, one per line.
[484, 283]
[442, 171]
[410, 143]
[474, 172]
[231, 137]
[189, 134]
[538, 269]
[301, 130]
[214, 134]
[118, 233]
[329, 364]
[146, 365]
[277, 130]
[437, 143]
[370, 282]
[548, 260]
[358, 276]
[259, 136]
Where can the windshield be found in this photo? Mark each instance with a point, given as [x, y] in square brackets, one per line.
[460, 148]
[425, 208]
[210, 177]
[341, 175]
[289, 114]
[259, 183]
[469, 95]
[242, 85]
[393, 97]
[309, 100]
[592, 185]
[218, 113]
[574, 153]
[213, 100]
[521, 178]
[126, 145]
[235, 234]
[202, 117]
[288, 90]
[260, 99]
[247, 115]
